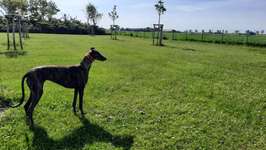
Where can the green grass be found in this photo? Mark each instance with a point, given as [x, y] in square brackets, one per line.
[185, 95]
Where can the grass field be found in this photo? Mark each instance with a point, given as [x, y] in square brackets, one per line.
[184, 95]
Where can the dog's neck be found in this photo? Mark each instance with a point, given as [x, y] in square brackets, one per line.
[87, 61]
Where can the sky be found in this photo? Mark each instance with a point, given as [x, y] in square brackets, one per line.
[181, 15]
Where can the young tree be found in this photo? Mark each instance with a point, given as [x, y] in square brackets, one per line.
[113, 14]
[114, 28]
[92, 15]
[12, 9]
[160, 9]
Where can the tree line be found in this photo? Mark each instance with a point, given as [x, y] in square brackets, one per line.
[40, 17]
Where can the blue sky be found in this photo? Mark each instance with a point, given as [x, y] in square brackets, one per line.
[181, 14]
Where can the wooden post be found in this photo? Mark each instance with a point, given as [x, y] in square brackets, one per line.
[202, 35]
[14, 33]
[158, 35]
[153, 37]
[173, 35]
[161, 35]
[111, 32]
[222, 37]
[19, 32]
[116, 34]
[7, 33]
[247, 39]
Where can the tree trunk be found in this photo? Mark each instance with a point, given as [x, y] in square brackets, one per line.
[159, 21]
[159, 32]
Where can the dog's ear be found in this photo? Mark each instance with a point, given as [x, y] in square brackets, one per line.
[93, 49]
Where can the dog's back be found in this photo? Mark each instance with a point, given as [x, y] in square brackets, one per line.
[67, 76]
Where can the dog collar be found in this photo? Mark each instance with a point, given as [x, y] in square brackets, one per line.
[90, 58]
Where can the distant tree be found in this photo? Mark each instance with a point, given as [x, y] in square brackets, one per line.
[43, 5]
[113, 14]
[218, 32]
[13, 6]
[92, 16]
[34, 10]
[196, 31]
[210, 31]
[160, 9]
[257, 32]
[52, 10]
[41, 10]
[262, 31]
[237, 32]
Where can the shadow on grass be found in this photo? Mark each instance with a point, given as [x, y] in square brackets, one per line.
[87, 134]
[5, 103]
[13, 53]
[181, 48]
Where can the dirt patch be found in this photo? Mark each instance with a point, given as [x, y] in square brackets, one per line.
[13, 53]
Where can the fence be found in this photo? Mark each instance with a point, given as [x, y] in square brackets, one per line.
[228, 38]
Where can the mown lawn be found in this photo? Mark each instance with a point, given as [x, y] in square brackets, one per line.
[182, 96]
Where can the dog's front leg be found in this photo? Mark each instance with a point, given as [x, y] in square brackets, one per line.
[81, 91]
[75, 100]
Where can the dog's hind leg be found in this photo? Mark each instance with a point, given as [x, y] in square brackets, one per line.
[30, 84]
[75, 101]
[26, 106]
[36, 96]
[81, 91]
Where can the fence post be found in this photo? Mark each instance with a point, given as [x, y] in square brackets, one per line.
[222, 37]
[173, 35]
[247, 39]
[202, 34]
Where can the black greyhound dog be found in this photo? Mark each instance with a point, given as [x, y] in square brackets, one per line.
[74, 77]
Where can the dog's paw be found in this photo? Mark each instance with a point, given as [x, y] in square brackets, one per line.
[30, 123]
[83, 113]
[74, 111]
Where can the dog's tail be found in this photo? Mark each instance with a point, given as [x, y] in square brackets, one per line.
[23, 92]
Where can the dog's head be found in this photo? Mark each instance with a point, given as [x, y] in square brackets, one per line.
[96, 55]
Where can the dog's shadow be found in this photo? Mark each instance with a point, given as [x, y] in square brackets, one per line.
[87, 134]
